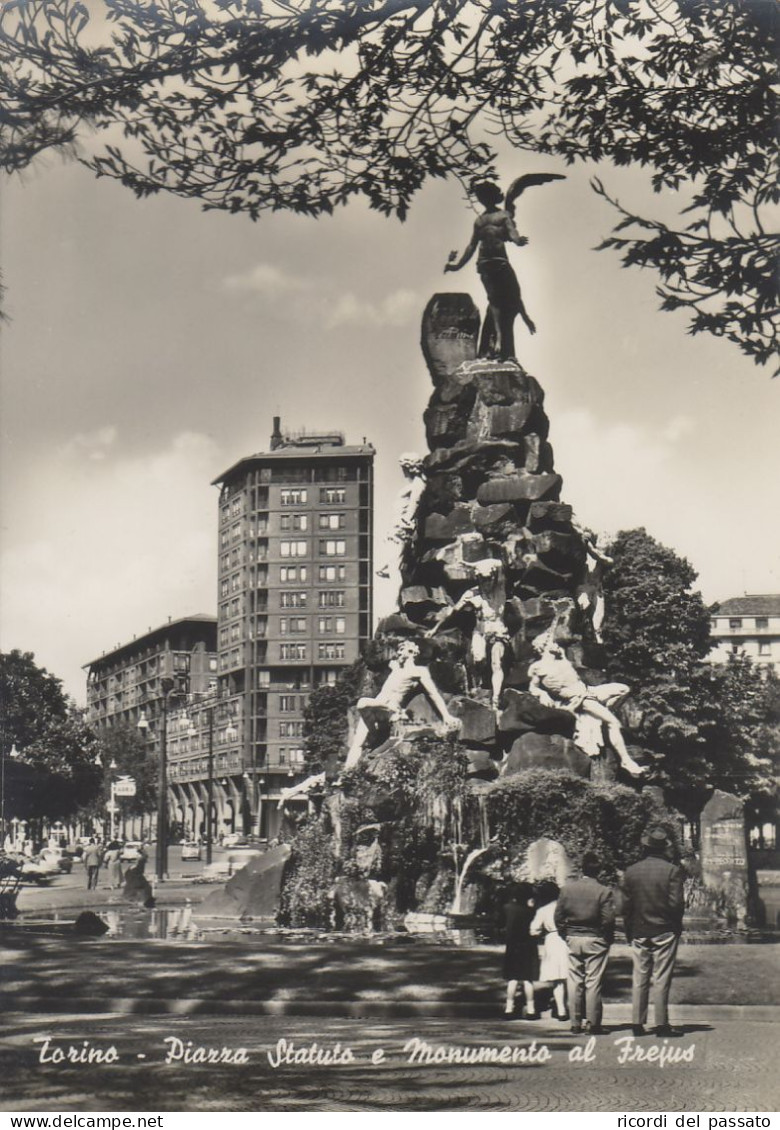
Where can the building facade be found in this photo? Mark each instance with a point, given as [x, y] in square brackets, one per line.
[750, 625]
[295, 597]
[139, 684]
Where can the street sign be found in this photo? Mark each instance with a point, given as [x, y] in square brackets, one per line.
[125, 787]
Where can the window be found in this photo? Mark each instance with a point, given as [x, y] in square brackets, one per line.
[223, 588]
[263, 678]
[735, 623]
[331, 548]
[293, 548]
[292, 624]
[287, 703]
[293, 497]
[334, 599]
[235, 532]
[294, 521]
[331, 521]
[291, 729]
[762, 623]
[333, 495]
[764, 647]
[327, 677]
[293, 600]
[332, 573]
[337, 624]
[292, 573]
[330, 651]
[292, 651]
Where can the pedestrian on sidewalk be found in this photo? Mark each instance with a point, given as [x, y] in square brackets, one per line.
[554, 956]
[93, 857]
[585, 918]
[653, 905]
[112, 860]
[521, 956]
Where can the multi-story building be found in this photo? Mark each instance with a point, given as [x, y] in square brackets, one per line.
[295, 597]
[136, 683]
[748, 624]
[128, 682]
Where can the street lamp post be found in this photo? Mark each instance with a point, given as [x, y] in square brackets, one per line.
[210, 787]
[167, 686]
[112, 812]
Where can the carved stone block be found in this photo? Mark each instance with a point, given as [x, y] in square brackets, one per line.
[518, 488]
[447, 527]
[450, 329]
[549, 516]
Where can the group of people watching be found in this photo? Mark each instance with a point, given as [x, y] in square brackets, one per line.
[562, 939]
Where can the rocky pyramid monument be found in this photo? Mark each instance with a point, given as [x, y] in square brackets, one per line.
[485, 729]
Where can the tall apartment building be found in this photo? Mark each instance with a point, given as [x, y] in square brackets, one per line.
[137, 682]
[295, 595]
[748, 624]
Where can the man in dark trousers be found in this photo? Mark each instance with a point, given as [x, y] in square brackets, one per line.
[585, 917]
[93, 857]
[653, 905]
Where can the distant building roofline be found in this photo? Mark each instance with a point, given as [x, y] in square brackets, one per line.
[756, 604]
[289, 454]
[154, 633]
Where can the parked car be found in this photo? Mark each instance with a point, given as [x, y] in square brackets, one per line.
[36, 872]
[190, 850]
[58, 858]
[235, 839]
[131, 852]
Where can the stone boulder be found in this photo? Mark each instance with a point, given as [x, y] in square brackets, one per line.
[523, 713]
[477, 721]
[253, 892]
[545, 751]
[482, 767]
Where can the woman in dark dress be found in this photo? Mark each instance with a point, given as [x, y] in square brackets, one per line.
[521, 956]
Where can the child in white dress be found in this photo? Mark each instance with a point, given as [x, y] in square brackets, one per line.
[554, 954]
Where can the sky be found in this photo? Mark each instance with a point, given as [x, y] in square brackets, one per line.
[150, 344]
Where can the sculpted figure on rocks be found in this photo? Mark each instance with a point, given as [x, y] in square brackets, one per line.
[556, 682]
[490, 636]
[405, 677]
[405, 513]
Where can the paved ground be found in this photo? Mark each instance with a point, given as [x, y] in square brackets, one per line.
[361, 994]
[731, 1066]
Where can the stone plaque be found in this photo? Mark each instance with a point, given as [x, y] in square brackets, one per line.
[724, 862]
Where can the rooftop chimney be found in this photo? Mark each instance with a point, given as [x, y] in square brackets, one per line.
[276, 434]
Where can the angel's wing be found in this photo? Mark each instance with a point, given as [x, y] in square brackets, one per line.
[520, 184]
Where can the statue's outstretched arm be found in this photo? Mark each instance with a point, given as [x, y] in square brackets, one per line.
[472, 247]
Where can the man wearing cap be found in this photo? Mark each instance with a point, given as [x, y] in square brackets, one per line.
[653, 904]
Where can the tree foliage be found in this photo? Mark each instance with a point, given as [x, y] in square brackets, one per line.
[125, 747]
[706, 724]
[56, 773]
[286, 104]
[326, 724]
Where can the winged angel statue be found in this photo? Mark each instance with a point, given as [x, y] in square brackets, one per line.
[492, 229]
